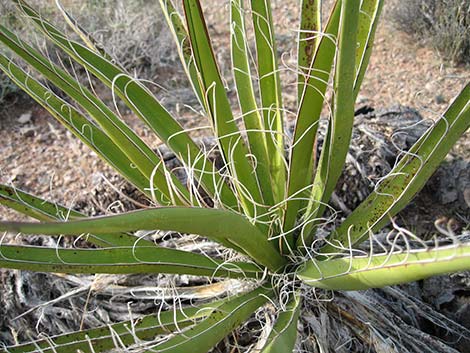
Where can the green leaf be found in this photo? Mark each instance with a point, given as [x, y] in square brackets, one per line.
[363, 272]
[284, 333]
[180, 35]
[103, 339]
[270, 90]
[34, 206]
[368, 20]
[144, 105]
[43, 210]
[228, 228]
[121, 260]
[142, 156]
[225, 318]
[309, 39]
[337, 139]
[247, 100]
[302, 152]
[218, 106]
[410, 174]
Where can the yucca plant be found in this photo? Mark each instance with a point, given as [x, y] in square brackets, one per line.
[267, 203]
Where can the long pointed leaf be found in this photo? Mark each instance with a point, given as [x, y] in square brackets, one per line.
[309, 39]
[218, 107]
[302, 153]
[270, 90]
[180, 34]
[203, 336]
[43, 210]
[368, 20]
[103, 339]
[247, 100]
[363, 272]
[230, 229]
[122, 260]
[34, 206]
[143, 103]
[408, 176]
[336, 145]
[309, 112]
[86, 37]
[284, 333]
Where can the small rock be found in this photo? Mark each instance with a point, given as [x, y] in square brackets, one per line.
[27, 131]
[25, 118]
[362, 99]
[46, 138]
[440, 99]
[429, 87]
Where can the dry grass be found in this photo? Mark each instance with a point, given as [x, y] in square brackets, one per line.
[443, 24]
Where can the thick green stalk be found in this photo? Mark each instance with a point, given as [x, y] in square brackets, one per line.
[368, 21]
[43, 210]
[270, 90]
[336, 145]
[302, 151]
[122, 260]
[309, 39]
[363, 272]
[228, 228]
[247, 100]
[218, 106]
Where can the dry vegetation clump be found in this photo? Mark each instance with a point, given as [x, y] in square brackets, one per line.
[443, 24]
